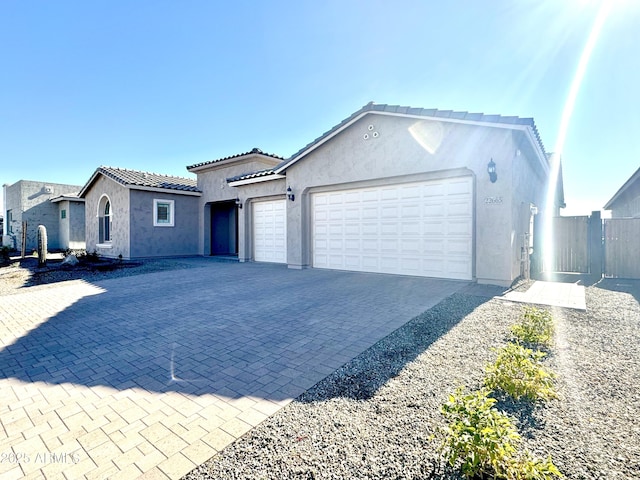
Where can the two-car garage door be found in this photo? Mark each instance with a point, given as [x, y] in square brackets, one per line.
[423, 229]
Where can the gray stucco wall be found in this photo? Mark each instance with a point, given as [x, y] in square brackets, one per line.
[30, 201]
[212, 182]
[148, 240]
[409, 149]
[119, 198]
[72, 227]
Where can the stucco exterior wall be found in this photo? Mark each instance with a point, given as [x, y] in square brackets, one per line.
[249, 194]
[30, 201]
[148, 240]
[212, 182]
[405, 150]
[119, 198]
[71, 227]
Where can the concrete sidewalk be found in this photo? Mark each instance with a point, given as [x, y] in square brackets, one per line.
[149, 376]
[556, 294]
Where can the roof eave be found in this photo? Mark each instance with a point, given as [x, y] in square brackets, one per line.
[511, 126]
[635, 177]
[164, 190]
[217, 163]
[247, 181]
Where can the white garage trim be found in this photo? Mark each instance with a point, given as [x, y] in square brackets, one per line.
[422, 228]
[270, 231]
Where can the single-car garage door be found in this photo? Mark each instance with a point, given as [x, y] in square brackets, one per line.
[423, 229]
[270, 231]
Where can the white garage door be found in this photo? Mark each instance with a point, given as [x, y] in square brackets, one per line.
[270, 231]
[422, 229]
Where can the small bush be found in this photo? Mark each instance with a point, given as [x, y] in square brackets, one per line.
[518, 372]
[483, 442]
[528, 467]
[536, 327]
[479, 438]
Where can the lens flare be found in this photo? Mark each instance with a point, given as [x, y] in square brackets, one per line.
[565, 121]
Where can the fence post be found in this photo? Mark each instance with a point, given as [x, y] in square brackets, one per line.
[596, 246]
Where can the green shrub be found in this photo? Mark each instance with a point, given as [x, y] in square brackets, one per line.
[479, 438]
[483, 442]
[536, 327]
[528, 467]
[518, 372]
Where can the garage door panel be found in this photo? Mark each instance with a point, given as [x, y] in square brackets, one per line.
[269, 231]
[414, 229]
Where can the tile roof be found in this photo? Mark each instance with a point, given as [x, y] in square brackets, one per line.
[421, 112]
[247, 176]
[137, 178]
[252, 152]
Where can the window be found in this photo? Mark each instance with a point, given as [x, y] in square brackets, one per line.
[63, 214]
[163, 213]
[9, 220]
[105, 220]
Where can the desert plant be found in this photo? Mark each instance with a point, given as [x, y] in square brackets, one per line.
[518, 371]
[479, 439]
[536, 327]
[528, 467]
[483, 442]
[42, 246]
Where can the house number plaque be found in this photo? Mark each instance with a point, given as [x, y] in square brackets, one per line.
[493, 200]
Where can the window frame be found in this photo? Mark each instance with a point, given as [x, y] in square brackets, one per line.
[170, 222]
[105, 222]
[63, 214]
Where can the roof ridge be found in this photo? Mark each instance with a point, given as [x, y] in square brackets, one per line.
[254, 151]
[124, 169]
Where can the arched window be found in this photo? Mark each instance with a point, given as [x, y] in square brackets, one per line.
[104, 220]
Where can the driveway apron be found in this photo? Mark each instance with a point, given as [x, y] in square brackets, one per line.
[148, 376]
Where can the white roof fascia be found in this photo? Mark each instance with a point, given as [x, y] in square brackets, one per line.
[227, 161]
[247, 181]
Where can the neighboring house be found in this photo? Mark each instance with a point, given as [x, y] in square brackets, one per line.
[136, 214]
[390, 189]
[71, 220]
[626, 202]
[54, 205]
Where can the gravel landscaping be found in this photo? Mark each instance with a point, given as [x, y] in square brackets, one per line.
[25, 273]
[378, 416]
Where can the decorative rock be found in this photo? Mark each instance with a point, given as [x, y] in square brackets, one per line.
[70, 261]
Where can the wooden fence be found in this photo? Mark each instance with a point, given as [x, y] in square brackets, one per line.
[622, 247]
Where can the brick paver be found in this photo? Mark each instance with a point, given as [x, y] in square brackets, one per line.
[150, 375]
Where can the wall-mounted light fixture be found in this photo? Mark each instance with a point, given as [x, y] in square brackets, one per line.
[491, 170]
[290, 194]
[238, 203]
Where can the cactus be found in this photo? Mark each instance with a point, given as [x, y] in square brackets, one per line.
[42, 246]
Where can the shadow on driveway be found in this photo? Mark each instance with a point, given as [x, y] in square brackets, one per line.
[229, 329]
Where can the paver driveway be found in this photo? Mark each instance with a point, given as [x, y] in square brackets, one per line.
[151, 375]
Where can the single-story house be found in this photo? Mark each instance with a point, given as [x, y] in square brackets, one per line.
[626, 201]
[390, 189]
[54, 205]
[133, 214]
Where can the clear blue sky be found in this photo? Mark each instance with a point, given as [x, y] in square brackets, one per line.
[158, 85]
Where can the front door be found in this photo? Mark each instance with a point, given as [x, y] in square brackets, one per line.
[224, 229]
